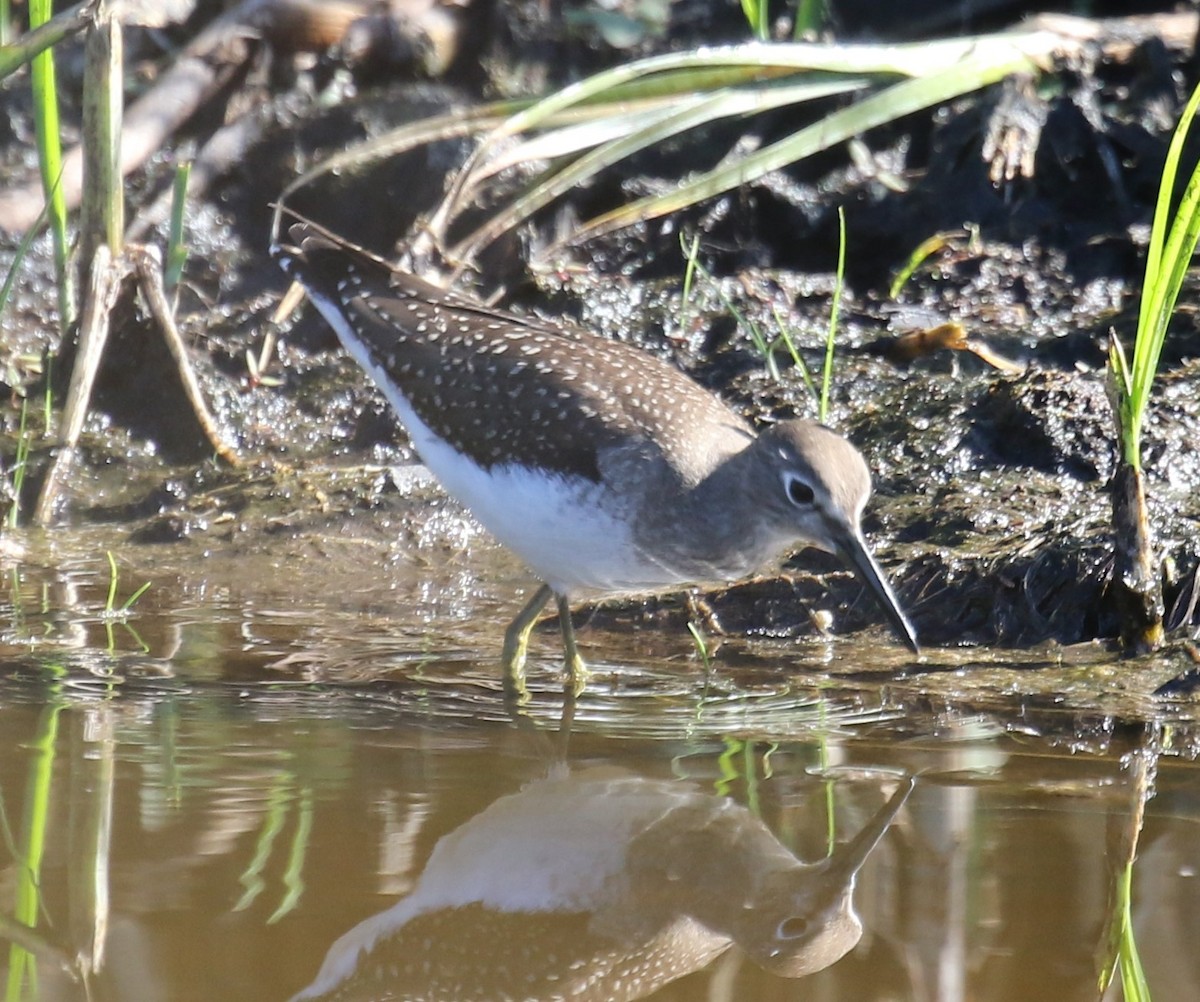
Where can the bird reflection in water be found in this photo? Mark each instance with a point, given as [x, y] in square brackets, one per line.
[602, 885]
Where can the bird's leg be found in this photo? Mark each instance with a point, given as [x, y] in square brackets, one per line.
[516, 644]
[576, 669]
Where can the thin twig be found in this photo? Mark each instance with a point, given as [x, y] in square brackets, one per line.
[150, 283]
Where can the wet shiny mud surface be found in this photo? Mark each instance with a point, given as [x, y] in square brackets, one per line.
[288, 769]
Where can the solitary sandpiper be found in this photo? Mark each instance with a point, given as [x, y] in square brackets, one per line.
[604, 468]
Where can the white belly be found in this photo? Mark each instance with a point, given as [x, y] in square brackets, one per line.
[554, 523]
[551, 522]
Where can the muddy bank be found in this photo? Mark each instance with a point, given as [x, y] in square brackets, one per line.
[991, 512]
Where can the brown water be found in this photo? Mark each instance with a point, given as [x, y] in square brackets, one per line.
[201, 798]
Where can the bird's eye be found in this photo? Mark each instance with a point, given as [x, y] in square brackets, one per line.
[798, 492]
[793, 927]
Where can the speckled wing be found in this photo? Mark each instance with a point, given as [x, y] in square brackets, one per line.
[501, 388]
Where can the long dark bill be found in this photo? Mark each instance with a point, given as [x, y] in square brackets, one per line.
[853, 550]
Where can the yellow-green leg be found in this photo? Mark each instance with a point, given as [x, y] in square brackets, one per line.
[516, 644]
[577, 672]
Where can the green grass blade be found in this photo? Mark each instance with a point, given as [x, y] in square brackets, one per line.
[810, 16]
[797, 359]
[35, 832]
[23, 249]
[679, 76]
[1171, 267]
[756, 58]
[758, 17]
[15, 54]
[128, 604]
[701, 645]
[1175, 261]
[834, 310]
[690, 255]
[757, 338]
[617, 112]
[895, 102]
[656, 128]
[576, 137]
[1134, 985]
[928, 246]
[177, 251]
[45, 114]
[1119, 365]
[110, 603]
[1173, 239]
[397, 141]
[1162, 207]
[668, 76]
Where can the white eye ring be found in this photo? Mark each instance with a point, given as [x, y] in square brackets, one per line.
[798, 491]
[792, 927]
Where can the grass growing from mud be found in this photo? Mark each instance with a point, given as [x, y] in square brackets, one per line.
[839, 284]
[1173, 238]
[769, 347]
[1137, 577]
[111, 609]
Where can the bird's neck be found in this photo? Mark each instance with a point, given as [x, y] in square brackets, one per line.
[717, 517]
